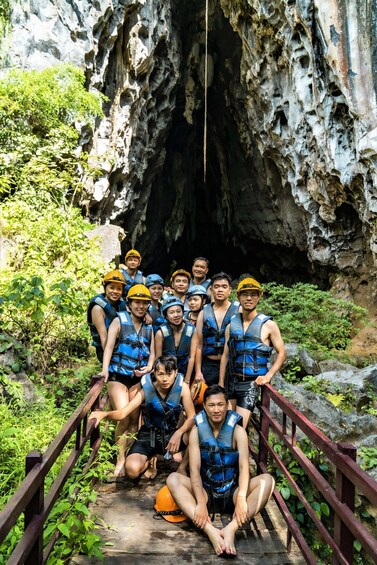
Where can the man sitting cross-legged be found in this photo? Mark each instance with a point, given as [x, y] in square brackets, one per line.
[164, 396]
[219, 474]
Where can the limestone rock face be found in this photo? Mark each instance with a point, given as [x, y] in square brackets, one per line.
[287, 188]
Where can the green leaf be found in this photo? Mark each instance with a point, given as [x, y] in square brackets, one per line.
[357, 545]
[64, 530]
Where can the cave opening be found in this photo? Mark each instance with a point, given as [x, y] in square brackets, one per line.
[228, 217]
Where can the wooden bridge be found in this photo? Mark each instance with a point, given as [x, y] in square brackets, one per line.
[133, 534]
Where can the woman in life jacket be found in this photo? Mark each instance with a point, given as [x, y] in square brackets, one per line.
[196, 298]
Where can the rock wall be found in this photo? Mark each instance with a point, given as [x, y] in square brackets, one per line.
[291, 127]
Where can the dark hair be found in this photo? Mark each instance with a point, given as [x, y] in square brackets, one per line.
[220, 276]
[169, 363]
[215, 389]
[201, 259]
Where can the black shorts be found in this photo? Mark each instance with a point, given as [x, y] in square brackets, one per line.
[220, 503]
[245, 393]
[211, 371]
[124, 379]
[144, 443]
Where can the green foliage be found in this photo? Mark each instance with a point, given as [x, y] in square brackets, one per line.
[311, 317]
[38, 137]
[368, 457]
[321, 508]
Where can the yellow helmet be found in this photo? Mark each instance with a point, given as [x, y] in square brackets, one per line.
[139, 292]
[132, 253]
[166, 506]
[249, 284]
[114, 276]
[181, 272]
[197, 392]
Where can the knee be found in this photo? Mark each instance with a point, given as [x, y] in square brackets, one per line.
[132, 469]
[173, 481]
[269, 481]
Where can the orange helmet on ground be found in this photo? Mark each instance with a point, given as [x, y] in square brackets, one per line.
[197, 392]
[166, 506]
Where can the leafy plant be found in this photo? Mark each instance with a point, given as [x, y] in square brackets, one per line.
[312, 317]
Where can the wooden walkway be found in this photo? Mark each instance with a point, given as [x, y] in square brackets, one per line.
[135, 537]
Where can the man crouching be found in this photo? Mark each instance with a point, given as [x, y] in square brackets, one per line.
[219, 473]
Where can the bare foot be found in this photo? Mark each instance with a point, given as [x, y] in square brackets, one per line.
[151, 470]
[215, 537]
[228, 535]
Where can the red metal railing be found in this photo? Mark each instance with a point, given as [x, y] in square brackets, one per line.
[30, 498]
[349, 477]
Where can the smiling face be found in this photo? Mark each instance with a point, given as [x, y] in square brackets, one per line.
[220, 289]
[132, 262]
[138, 308]
[248, 299]
[113, 291]
[199, 269]
[180, 284]
[216, 407]
[156, 291]
[174, 315]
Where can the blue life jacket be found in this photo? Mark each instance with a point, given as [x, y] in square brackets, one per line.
[157, 317]
[162, 413]
[138, 279]
[204, 284]
[248, 355]
[182, 352]
[132, 349]
[110, 310]
[219, 461]
[213, 337]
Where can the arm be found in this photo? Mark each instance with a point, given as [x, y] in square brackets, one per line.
[175, 440]
[241, 441]
[120, 414]
[112, 336]
[98, 319]
[278, 344]
[224, 359]
[158, 342]
[199, 347]
[149, 366]
[201, 513]
[191, 361]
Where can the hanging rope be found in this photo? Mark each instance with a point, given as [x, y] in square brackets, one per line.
[205, 96]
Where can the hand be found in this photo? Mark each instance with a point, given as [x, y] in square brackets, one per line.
[262, 380]
[199, 376]
[148, 319]
[201, 515]
[105, 374]
[174, 442]
[97, 415]
[240, 511]
[140, 372]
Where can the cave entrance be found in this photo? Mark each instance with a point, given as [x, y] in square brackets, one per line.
[236, 217]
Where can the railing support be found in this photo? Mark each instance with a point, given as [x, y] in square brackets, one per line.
[34, 508]
[264, 429]
[95, 433]
[345, 491]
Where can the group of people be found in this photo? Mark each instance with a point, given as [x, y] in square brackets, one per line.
[155, 345]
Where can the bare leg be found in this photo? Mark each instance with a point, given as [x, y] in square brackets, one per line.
[136, 464]
[181, 490]
[119, 398]
[183, 466]
[245, 415]
[151, 470]
[259, 493]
